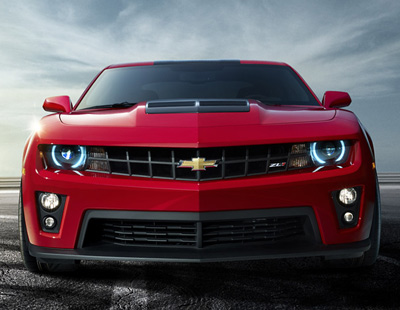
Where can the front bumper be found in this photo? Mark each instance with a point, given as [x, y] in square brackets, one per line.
[117, 193]
[277, 240]
[282, 192]
[349, 250]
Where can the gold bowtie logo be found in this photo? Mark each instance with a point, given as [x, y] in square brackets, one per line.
[199, 163]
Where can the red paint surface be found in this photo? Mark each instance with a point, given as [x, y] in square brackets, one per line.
[57, 104]
[336, 99]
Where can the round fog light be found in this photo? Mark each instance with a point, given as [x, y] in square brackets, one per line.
[49, 201]
[348, 217]
[348, 196]
[49, 222]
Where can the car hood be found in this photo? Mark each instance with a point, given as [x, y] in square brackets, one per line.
[132, 126]
[259, 114]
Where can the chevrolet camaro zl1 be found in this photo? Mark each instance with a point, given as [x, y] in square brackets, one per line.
[198, 161]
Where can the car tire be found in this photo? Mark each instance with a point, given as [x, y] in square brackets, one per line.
[30, 262]
[369, 257]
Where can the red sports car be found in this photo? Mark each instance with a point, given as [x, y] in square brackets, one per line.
[198, 161]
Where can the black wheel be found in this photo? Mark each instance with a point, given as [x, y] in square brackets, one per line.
[32, 263]
[29, 261]
[369, 257]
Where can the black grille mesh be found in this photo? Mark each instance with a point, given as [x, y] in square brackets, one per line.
[163, 163]
[193, 234]
[252, 230]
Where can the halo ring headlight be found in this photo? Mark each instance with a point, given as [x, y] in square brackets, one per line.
[328, 152]
[68, 157]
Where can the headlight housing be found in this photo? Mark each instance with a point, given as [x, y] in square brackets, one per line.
[65, 157]
[320, 153]
[327, 153]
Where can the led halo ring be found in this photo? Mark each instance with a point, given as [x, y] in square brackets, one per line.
[70, 162]
[81, 159]
[322, 153]
[343, 151]
[314, 154]
[53, 156]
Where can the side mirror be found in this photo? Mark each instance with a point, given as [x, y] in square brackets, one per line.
[58, 104]
[336, 99]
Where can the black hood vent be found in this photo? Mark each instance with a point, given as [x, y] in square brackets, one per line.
[197, 106]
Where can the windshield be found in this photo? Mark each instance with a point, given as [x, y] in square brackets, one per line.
[270, 84]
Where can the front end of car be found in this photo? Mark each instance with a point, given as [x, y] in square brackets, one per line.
[199, 180]
[200, 202]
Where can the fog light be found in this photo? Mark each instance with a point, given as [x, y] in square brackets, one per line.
[347, 196]
[49, 201]
[348, 217]
[49, 222]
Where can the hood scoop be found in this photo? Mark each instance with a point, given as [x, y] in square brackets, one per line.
[197, 106]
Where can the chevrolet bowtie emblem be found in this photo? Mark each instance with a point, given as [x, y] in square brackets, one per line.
[199, 163]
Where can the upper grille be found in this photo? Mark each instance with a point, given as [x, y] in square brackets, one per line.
[163, 163]
[197, 106]
[198, 234]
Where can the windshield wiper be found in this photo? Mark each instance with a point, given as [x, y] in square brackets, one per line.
[119, 105]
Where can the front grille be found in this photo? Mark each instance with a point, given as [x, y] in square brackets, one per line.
[230, 162]
[194, 234]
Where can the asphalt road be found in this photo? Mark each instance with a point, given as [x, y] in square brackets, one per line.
[272, 284]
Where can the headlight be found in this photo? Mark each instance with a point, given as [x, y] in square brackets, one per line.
[328, 152]
[69, 157]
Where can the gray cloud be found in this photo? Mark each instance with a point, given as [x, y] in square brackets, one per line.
[56, 47]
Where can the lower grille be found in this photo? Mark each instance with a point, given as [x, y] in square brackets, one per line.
[252, 230]
[149, 233]
[200, 234]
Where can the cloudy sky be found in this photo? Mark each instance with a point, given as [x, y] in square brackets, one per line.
[54, 47]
